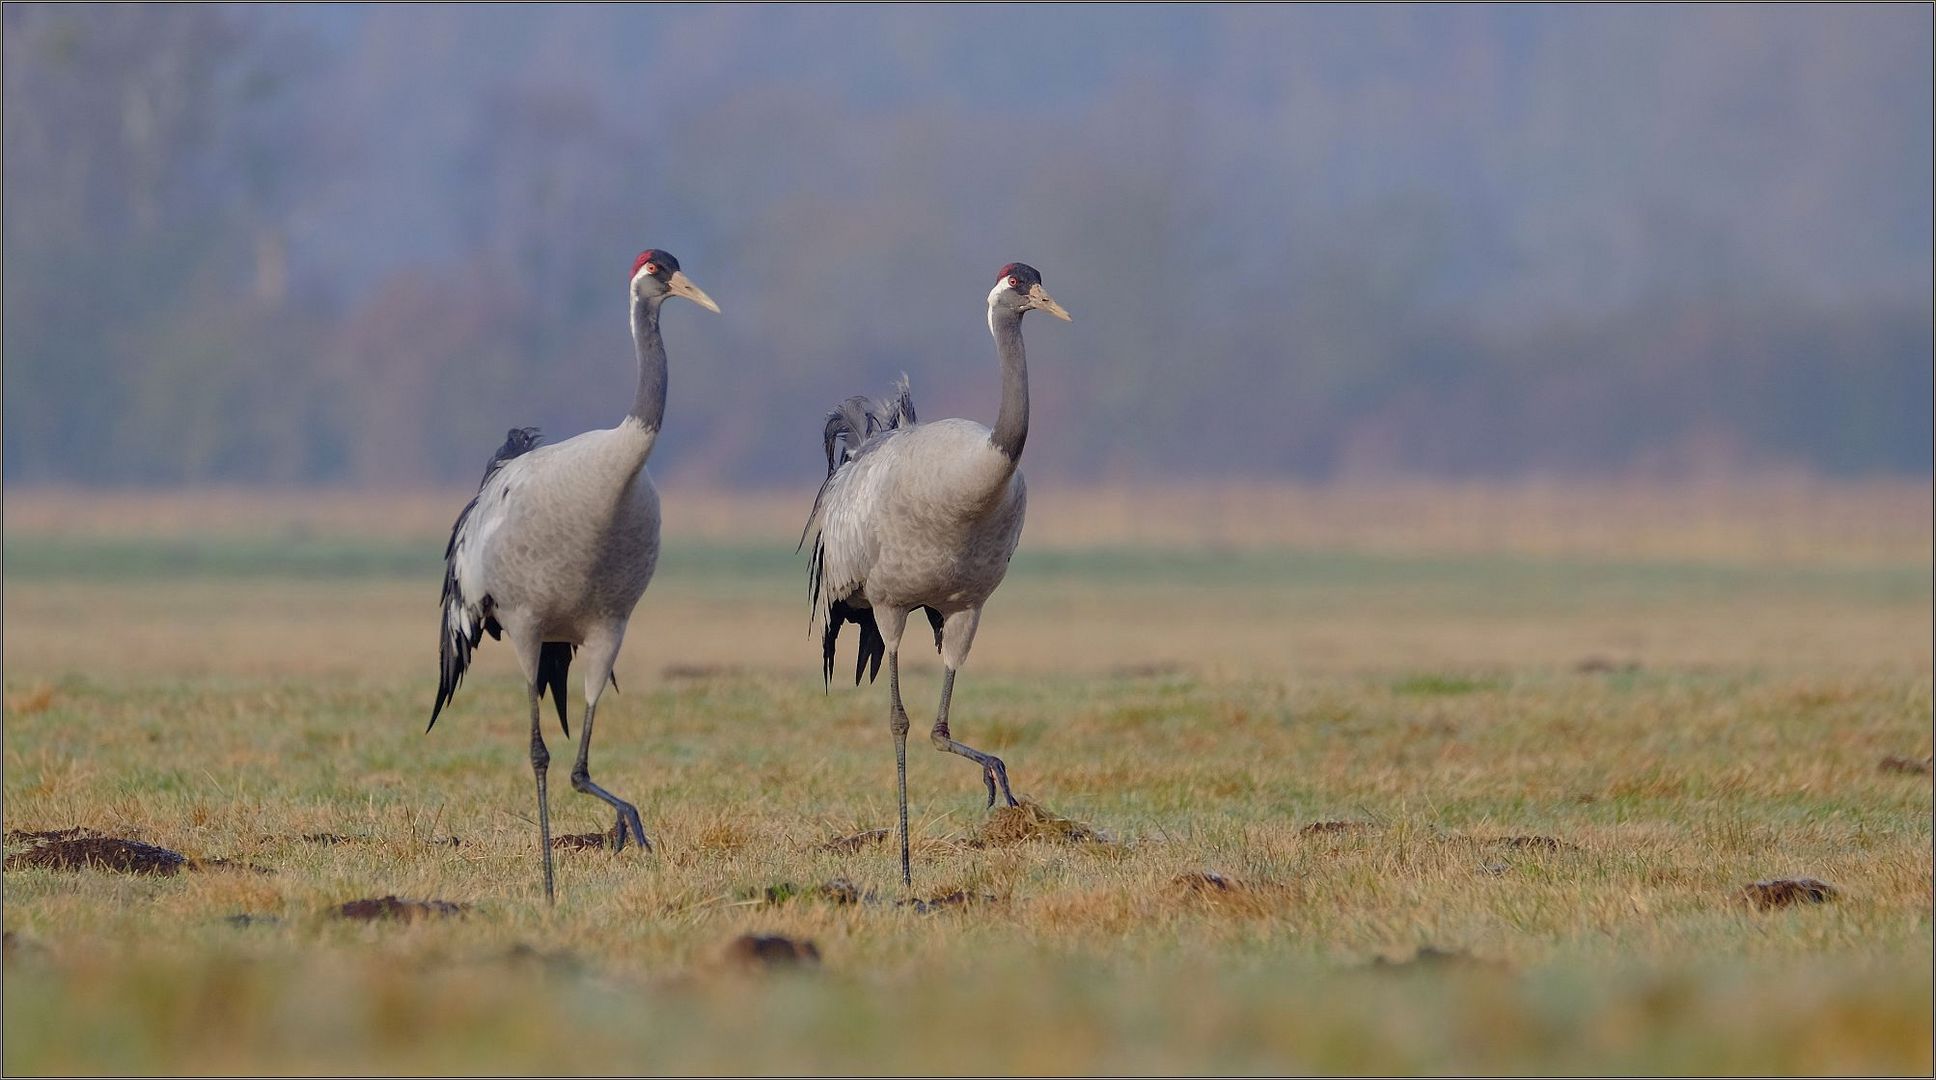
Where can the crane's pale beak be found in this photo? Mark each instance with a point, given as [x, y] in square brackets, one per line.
[1040, 298]
[680, 285]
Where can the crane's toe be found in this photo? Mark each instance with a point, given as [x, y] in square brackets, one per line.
[629, 823]
[996, 771]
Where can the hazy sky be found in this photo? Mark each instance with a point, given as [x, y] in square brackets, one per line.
[1321, 240]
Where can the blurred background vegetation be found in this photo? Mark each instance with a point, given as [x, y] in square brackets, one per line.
[350, 246]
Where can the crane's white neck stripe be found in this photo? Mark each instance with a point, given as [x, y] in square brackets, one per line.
[1001, 286]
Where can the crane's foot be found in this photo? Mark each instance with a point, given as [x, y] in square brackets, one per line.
[628, 823]
[997, 772]
[993, 772]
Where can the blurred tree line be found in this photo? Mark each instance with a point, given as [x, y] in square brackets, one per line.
[353, 245]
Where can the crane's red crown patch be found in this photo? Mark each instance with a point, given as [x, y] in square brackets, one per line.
[653, 255]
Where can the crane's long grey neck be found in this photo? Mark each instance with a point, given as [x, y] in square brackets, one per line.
[648, 407]
[1011, 425]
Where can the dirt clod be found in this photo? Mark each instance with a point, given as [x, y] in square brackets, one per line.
[1783, 892]
[1896, 763]
[327, 839]
[1600, 665]
[30, 836]
[392, 907]
[99, 853]
[1033, 821]
[847, 845]
[81, 848]
[590, 841]
[771, 951]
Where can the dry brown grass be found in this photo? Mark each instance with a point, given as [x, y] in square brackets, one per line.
[1296, 774]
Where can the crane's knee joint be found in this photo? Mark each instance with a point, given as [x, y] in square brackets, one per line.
[540, 757]
[581, 779]
[898, 724]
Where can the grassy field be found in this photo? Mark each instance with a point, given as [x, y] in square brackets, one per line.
[1390, 781]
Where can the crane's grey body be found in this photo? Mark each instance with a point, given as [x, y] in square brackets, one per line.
[922, 516]
[556, 549]
[919, 516]
[564, 540]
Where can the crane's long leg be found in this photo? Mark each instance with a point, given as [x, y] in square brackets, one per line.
[540, 763]
[993, 771]
[581, 779]
[599, 655]
[957, 636]
[897, 722]
[891, 623]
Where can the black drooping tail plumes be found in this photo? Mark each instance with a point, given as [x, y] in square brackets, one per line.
[850, 425]
[466, 621]
[554, 663]
[872, 646]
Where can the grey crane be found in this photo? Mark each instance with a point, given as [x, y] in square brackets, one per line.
[923, 516]
[557, 546]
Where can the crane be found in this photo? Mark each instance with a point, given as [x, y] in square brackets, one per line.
[916, 516]
[557, 546]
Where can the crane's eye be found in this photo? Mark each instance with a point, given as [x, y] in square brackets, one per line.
[1014, 282]
[652, 269]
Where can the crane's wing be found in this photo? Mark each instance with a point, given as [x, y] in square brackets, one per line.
[466, 604]
[844, 545]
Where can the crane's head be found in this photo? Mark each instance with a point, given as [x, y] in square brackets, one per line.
[656, 275]
[1018, 288]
